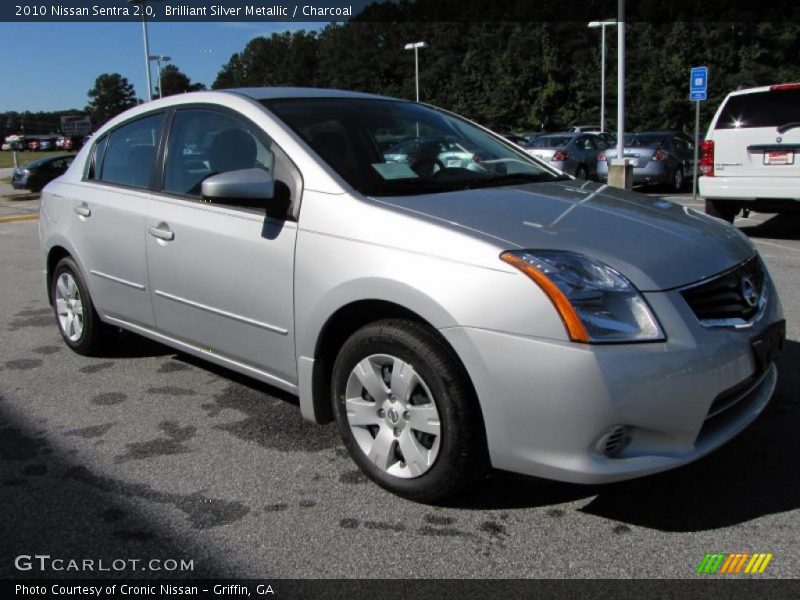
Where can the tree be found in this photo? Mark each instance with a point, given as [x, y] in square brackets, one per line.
[176, 82]
[111, 95]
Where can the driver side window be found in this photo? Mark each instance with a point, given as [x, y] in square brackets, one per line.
[205, 142]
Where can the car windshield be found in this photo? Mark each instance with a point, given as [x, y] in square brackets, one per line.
[393, 147]
[551, 141]
[644, 141]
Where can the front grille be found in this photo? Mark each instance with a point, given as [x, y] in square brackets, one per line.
[723, 297]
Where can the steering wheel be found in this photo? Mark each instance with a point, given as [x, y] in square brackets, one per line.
[427, 166]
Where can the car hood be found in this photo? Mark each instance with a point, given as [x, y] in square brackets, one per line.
[655, 243]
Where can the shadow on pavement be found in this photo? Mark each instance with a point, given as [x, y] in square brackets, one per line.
[779, 227]
[55, 505]
[754, 475]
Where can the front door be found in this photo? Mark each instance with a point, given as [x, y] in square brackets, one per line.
[221, 275]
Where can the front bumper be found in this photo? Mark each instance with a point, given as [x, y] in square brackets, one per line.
[547, 404]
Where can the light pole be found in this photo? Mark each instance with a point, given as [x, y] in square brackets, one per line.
[145, 10]
[620, 172]
[159, 58]
[603, 25]
[415, 46]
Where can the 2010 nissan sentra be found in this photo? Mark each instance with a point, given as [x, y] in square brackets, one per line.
[448, 318]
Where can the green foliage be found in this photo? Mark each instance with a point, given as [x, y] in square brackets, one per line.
[111, 95]
[525, 75]
[176, 82]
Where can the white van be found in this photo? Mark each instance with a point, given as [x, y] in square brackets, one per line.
[750, 158]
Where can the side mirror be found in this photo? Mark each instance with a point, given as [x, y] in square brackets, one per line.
[245, 185]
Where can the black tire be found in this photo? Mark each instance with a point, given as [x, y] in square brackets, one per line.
[95, 333]
[678, 181]
[462, 455]
[722, 210]
[582, 172]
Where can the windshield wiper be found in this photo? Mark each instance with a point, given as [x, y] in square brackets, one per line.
[788, 126]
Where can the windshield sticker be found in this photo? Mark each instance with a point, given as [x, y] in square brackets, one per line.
[395, 171]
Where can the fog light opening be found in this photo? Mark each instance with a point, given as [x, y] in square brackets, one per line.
[614, 441]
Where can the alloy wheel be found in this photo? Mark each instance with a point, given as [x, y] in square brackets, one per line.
[393, 416]
[69, 307]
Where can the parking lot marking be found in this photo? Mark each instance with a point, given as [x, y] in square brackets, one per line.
[15, 218]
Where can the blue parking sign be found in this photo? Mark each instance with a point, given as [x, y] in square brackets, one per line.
[698, 83]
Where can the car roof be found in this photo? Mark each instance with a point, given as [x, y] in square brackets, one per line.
[272, 93]
[762, 88]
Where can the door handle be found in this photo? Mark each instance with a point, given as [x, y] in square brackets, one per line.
[83, 210]
[162, 232]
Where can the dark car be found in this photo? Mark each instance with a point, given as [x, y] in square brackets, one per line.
[658, 157]
[37, 174]
[47, 144]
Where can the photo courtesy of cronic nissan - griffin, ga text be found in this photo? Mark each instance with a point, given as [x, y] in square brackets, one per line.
[451, 310]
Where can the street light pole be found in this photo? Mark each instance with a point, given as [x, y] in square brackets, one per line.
[620, 79]
[415, 46]
[603, 25]
[143, 4]
[158, 58]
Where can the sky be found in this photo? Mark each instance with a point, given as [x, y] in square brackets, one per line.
[51, 66]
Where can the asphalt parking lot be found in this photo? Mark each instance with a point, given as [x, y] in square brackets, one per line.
[148, 453]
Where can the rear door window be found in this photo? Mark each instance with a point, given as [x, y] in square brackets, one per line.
[131, 152]
[771, 108]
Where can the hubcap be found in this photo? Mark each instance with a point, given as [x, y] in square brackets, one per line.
[392, 416]
[69, 307]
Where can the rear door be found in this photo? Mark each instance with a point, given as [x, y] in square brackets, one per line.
[753, 134]
[108, 219]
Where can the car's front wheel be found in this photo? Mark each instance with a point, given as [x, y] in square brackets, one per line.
[77, 319]
[406, 412]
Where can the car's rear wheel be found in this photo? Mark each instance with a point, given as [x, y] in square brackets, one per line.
[722, 210]
[77, 319]
[406, 412]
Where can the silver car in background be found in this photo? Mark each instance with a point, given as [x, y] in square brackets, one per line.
[573, 153]
[448, 319]
[658, 158]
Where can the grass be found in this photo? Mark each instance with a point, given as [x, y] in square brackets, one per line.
[7, 157]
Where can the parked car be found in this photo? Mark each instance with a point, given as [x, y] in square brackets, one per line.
[529, 136]
[47, 144]
[513, 137]
[38, 173]
[609, 139]
[6, 146]
[750, 158]
[446, 321]
[431, 154]
[69, 142]
[573, 153]
[658, 157]
[585, 129]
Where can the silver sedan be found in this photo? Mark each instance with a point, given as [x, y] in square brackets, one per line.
[573, 153]
[448, 319]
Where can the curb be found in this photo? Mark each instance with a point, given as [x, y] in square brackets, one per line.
[16, 218]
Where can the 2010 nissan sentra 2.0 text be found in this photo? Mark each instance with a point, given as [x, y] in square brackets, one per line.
[453, 303]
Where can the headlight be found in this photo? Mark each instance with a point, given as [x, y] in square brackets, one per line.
[596, 303]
